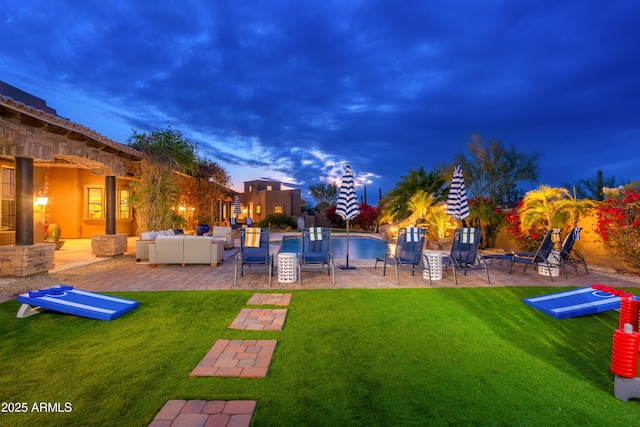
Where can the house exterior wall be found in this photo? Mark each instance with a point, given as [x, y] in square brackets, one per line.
[259, 201]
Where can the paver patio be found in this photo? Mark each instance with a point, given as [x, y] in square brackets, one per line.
[253, 319]
[236, 358]
[269, 299]
[192, 413]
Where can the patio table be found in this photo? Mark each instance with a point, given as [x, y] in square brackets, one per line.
[433, 258]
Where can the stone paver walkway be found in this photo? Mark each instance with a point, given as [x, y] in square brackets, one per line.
[269, 299]
[254, 319]
[193, 413]
[237, 358]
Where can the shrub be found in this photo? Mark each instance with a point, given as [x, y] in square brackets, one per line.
[368, 217]
[279, 221]
[619, 225]
[527, 241]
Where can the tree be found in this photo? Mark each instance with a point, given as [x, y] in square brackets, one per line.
[591, 188]
[483, 213]
[547, 206]
[155, 192]
[202, 191]
[396, 205]
[325, 195]
[493, 171]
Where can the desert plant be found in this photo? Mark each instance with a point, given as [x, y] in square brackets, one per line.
[493, 171]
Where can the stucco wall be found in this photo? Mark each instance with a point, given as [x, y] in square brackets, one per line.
[589, 244]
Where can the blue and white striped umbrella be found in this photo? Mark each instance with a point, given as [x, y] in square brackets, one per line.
[347, 203]
[236, 208]
[457, 203]
[347, 199]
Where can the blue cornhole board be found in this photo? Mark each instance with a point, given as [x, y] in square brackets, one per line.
[66, 299]
[578, 302]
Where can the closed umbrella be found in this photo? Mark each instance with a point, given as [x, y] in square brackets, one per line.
[457, 203]
[347, 203]
[236, 208]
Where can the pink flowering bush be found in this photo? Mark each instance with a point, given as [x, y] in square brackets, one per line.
[619, 225]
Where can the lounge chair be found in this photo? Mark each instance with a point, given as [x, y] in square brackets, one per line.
[316, 251]
[408, 251]
[248, 222]
[254, 251]
[464, 254]
[570, 255]
[541, 256]
[234, 223]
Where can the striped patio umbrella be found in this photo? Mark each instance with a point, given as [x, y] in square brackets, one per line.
[457, 203]
[236, 208]
[347, 203]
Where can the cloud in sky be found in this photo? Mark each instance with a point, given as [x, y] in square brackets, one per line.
[295, 90]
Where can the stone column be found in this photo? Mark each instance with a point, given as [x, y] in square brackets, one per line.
[110, 243]
[24, 201]
[110, 185]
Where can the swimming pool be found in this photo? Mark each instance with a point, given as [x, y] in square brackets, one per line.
[359, 247]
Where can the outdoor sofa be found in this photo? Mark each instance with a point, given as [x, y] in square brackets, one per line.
[186, 249]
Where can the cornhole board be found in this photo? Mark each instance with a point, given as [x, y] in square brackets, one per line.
[66, 299]
[578, 302]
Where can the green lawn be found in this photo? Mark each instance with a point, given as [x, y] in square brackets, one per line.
[345, 357]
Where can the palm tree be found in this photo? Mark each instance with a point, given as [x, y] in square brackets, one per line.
[419, 204]
[482, 212]
[549, 206]
[397, 205]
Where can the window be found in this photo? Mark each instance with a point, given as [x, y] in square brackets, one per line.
[258, 209]
[8, 208]
[250, 188]
[277, 209]
[269, 187]
[94, 203]
[124, 208]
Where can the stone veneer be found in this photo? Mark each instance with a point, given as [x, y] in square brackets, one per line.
[27, 260]
[108, 244]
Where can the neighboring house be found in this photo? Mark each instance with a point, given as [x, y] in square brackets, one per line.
[262, 198]
[42, 153]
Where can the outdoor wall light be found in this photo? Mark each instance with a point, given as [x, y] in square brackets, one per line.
[41, 199]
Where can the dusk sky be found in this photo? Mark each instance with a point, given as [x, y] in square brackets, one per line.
[294, 90]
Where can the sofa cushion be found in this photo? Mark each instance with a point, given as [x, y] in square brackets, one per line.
[220, 231]
[148, 235]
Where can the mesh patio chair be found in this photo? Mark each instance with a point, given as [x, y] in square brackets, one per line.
[234, 223]
[408, 251]
[316, 251]
[570, 255]
[543, 257]
[254, 252]
[464, 254]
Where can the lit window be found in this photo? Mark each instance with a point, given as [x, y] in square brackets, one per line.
[258, 209]
[94, 198]
[8, 208]
[269, 187]
[250, 188]
[277, 209]
[123, 203]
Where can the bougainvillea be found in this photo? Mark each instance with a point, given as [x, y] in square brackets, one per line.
[366, 220]
[529, 241]
[368, 217]
[619, 225]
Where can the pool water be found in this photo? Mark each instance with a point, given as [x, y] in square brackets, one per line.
[359, 247]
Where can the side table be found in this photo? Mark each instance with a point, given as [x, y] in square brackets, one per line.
[433, 259]
[287, 267]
